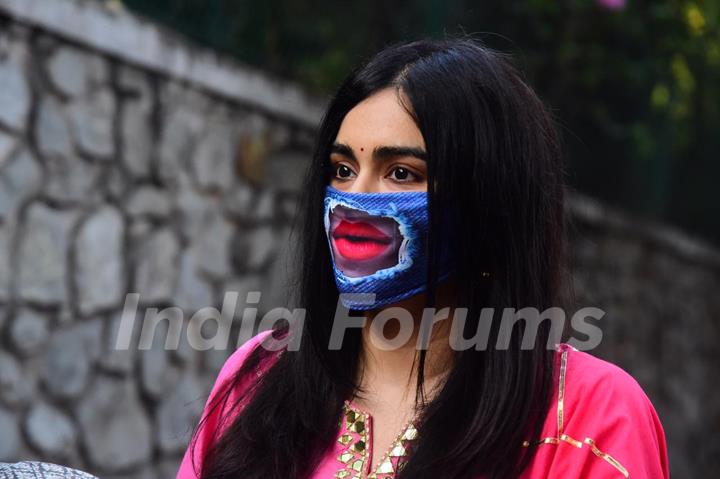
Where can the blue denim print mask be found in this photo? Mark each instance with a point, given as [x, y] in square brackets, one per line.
[377, 243]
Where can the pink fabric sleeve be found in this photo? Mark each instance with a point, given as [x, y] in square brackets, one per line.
[210, 430]
[611, 429]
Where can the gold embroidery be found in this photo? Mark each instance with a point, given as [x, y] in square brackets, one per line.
[355, 454]
[546, 440]
[561, 392]
[398, 450]
[562, 437]
[607, 457]
[571, 441]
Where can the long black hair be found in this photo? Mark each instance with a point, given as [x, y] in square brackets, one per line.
[495, 173]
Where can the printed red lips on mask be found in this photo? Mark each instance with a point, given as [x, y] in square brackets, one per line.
[360, 241]
[363, 244]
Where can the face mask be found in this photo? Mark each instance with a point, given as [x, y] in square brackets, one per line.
[377, 243]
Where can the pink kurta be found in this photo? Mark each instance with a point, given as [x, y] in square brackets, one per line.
[601, 426]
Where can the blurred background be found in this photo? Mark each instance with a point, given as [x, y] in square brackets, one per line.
[635, 84]
[156, 146]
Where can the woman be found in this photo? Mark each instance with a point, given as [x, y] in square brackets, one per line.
[436, 182]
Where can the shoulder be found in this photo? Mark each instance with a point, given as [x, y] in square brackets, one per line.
[220, 407]
[235, 361]
[602, 423]
[601, 396]
[229, 388]
[587, 377]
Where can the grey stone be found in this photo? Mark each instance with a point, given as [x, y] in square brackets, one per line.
[99, 272]
[29, 331]
[304, 137]
[135, 82]
[7, 145]
[16, 388]
[282, 135]
[43, 254]
[240, 201]
[5, 273]
[137, 138]
[116, 182]
[214, 158]
[169, 466]
[90, 334]
[50, 431]
[65, 316]
[197, 211]
[92, 121]
[10, 437]
[214, 359]
[114, 359]
[211, 249]
[289, 207]
[52, 128]
[140, 228]
[14, 94]
[181, 128]
[286, 169]
[156, 266]
[20, 177]
[74, 72]
[144, 472]
[277, 291]
[184, 353]
[193, 292]
[246, 204]
[178, 413]
[149, 201]
[114, 426]
[68, 359]
[70, 178]
[265, 206]
[175, 95]
[208, 231]
[254, 125]
[243, 285]
[157, 375]
[256, 247]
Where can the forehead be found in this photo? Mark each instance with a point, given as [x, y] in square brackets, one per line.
[380, 119]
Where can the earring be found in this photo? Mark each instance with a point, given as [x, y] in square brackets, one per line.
[485, 274]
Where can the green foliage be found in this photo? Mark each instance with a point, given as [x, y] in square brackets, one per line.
[636, 91]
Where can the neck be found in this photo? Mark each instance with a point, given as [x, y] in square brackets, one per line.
[391, 367]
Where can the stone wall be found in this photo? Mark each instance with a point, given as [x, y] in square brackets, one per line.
[121, 174]
[133, 162]
[659, 289]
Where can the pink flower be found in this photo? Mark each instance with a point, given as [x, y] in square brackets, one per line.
[612, 4]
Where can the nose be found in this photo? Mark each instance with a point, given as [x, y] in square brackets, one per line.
[366, 181]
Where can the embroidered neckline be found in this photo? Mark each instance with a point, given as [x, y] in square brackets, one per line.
[356, 428]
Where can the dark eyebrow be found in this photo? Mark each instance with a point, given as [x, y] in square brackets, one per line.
[381, 152]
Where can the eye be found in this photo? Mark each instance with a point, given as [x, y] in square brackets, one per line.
[402, 174]
[343, 172]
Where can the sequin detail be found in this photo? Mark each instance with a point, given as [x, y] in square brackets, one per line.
[355, 428]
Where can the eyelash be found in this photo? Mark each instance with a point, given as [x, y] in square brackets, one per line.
[335, 167]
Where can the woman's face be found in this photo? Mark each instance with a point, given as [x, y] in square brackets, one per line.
[378, 149]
